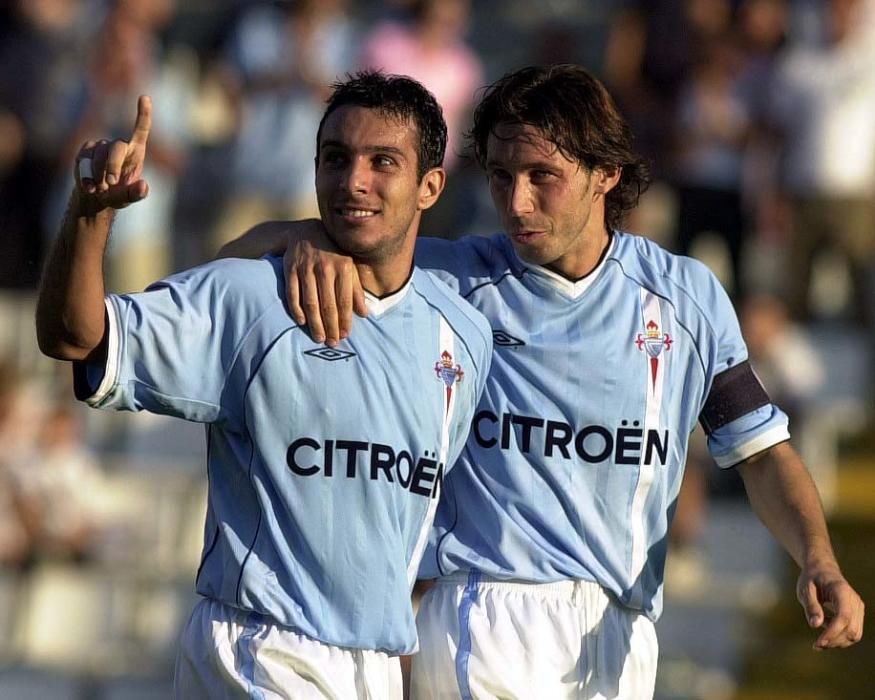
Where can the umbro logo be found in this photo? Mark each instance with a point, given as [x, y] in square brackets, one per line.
[506, 339]
[330, 354]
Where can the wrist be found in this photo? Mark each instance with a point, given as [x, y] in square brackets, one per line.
[819, 556]
[85, 206]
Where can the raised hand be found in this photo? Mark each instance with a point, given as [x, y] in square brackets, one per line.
[109, 174]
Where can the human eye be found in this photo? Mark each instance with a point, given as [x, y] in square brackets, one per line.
[498, 176]
[542, 176]
[333, 157]
[383, 161]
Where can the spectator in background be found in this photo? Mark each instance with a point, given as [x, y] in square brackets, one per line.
[712, 126]
[823, 111]
[55, 487]
[49, 480]
[431, 48]
[14, 541]
[789, 366]
[41, 47]
[126, 61]
[651, 48]
[278, 64]
[763, 28]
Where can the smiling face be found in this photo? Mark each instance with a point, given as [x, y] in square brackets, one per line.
[367, 184]
[552, 208]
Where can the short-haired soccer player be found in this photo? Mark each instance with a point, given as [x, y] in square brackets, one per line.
[324, 465]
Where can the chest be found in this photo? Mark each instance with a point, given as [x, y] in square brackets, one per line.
[613, 354]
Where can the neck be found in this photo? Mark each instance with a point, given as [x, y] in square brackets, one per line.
[586, 258]
[383, 279]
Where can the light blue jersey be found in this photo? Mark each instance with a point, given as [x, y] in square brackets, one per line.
[579, 443]
[324, 464]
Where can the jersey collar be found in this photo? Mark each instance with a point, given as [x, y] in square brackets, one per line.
[377, 306]
[571, 289]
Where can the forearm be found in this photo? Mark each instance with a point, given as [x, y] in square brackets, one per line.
[70, 316]
[261, 239]
[784, 497]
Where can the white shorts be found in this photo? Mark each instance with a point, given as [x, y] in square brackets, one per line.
[229, 653]
[483, 638]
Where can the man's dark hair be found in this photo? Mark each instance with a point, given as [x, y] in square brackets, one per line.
[574, 111]
[395, 96]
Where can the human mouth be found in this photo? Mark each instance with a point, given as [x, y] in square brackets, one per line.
[356, 213]
[526, 236]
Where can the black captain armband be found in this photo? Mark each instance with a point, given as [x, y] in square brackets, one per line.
[734, 393]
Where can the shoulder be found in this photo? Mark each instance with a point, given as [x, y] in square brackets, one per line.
[467, 262]
[468, 323]
[237, 285]
[677, 278]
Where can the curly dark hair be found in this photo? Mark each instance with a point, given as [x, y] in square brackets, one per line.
[573, 110]
[400, 97]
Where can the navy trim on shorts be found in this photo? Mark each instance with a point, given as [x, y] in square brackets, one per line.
[245, 645]
[463, 655]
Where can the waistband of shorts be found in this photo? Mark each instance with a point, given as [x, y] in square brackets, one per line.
[566, 587]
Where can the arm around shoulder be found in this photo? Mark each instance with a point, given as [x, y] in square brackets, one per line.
[261, 239]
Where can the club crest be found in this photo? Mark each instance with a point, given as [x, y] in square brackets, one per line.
[653, 343]
[448, 372]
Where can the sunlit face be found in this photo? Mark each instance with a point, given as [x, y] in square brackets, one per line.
[551, 207]
[367, 184]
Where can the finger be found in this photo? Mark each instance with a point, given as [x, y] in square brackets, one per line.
[83, 172]
[310, 303]
[122, 195]
[293, 287]
[115, 160]
[344, 291]
[143, 123]
[98, 165]
[834, 634]
[325, 278]
[807, 595]
[845, 621]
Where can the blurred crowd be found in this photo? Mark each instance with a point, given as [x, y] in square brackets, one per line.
[758, 117]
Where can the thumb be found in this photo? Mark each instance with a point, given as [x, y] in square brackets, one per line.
[122, 195]
[808, 598]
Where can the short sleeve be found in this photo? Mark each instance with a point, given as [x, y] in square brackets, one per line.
[172, 349]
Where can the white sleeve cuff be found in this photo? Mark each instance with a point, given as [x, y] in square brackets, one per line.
[113, 360]
[761, 443]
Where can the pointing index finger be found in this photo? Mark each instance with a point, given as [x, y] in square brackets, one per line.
[144, 121]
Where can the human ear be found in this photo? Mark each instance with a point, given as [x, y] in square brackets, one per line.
[606, 178]
[430, 187]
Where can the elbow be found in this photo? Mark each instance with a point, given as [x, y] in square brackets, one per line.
[60, 345]
[53, 347]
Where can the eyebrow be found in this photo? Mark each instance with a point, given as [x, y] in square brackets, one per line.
[530, 165]
[331, 143]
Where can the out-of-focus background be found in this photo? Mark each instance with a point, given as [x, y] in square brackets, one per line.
[759, 117]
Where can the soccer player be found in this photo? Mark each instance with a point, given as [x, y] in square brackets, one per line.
[549, 547]
[324, 465]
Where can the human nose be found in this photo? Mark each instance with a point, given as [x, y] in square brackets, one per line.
[357, 176]
[521, 201]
